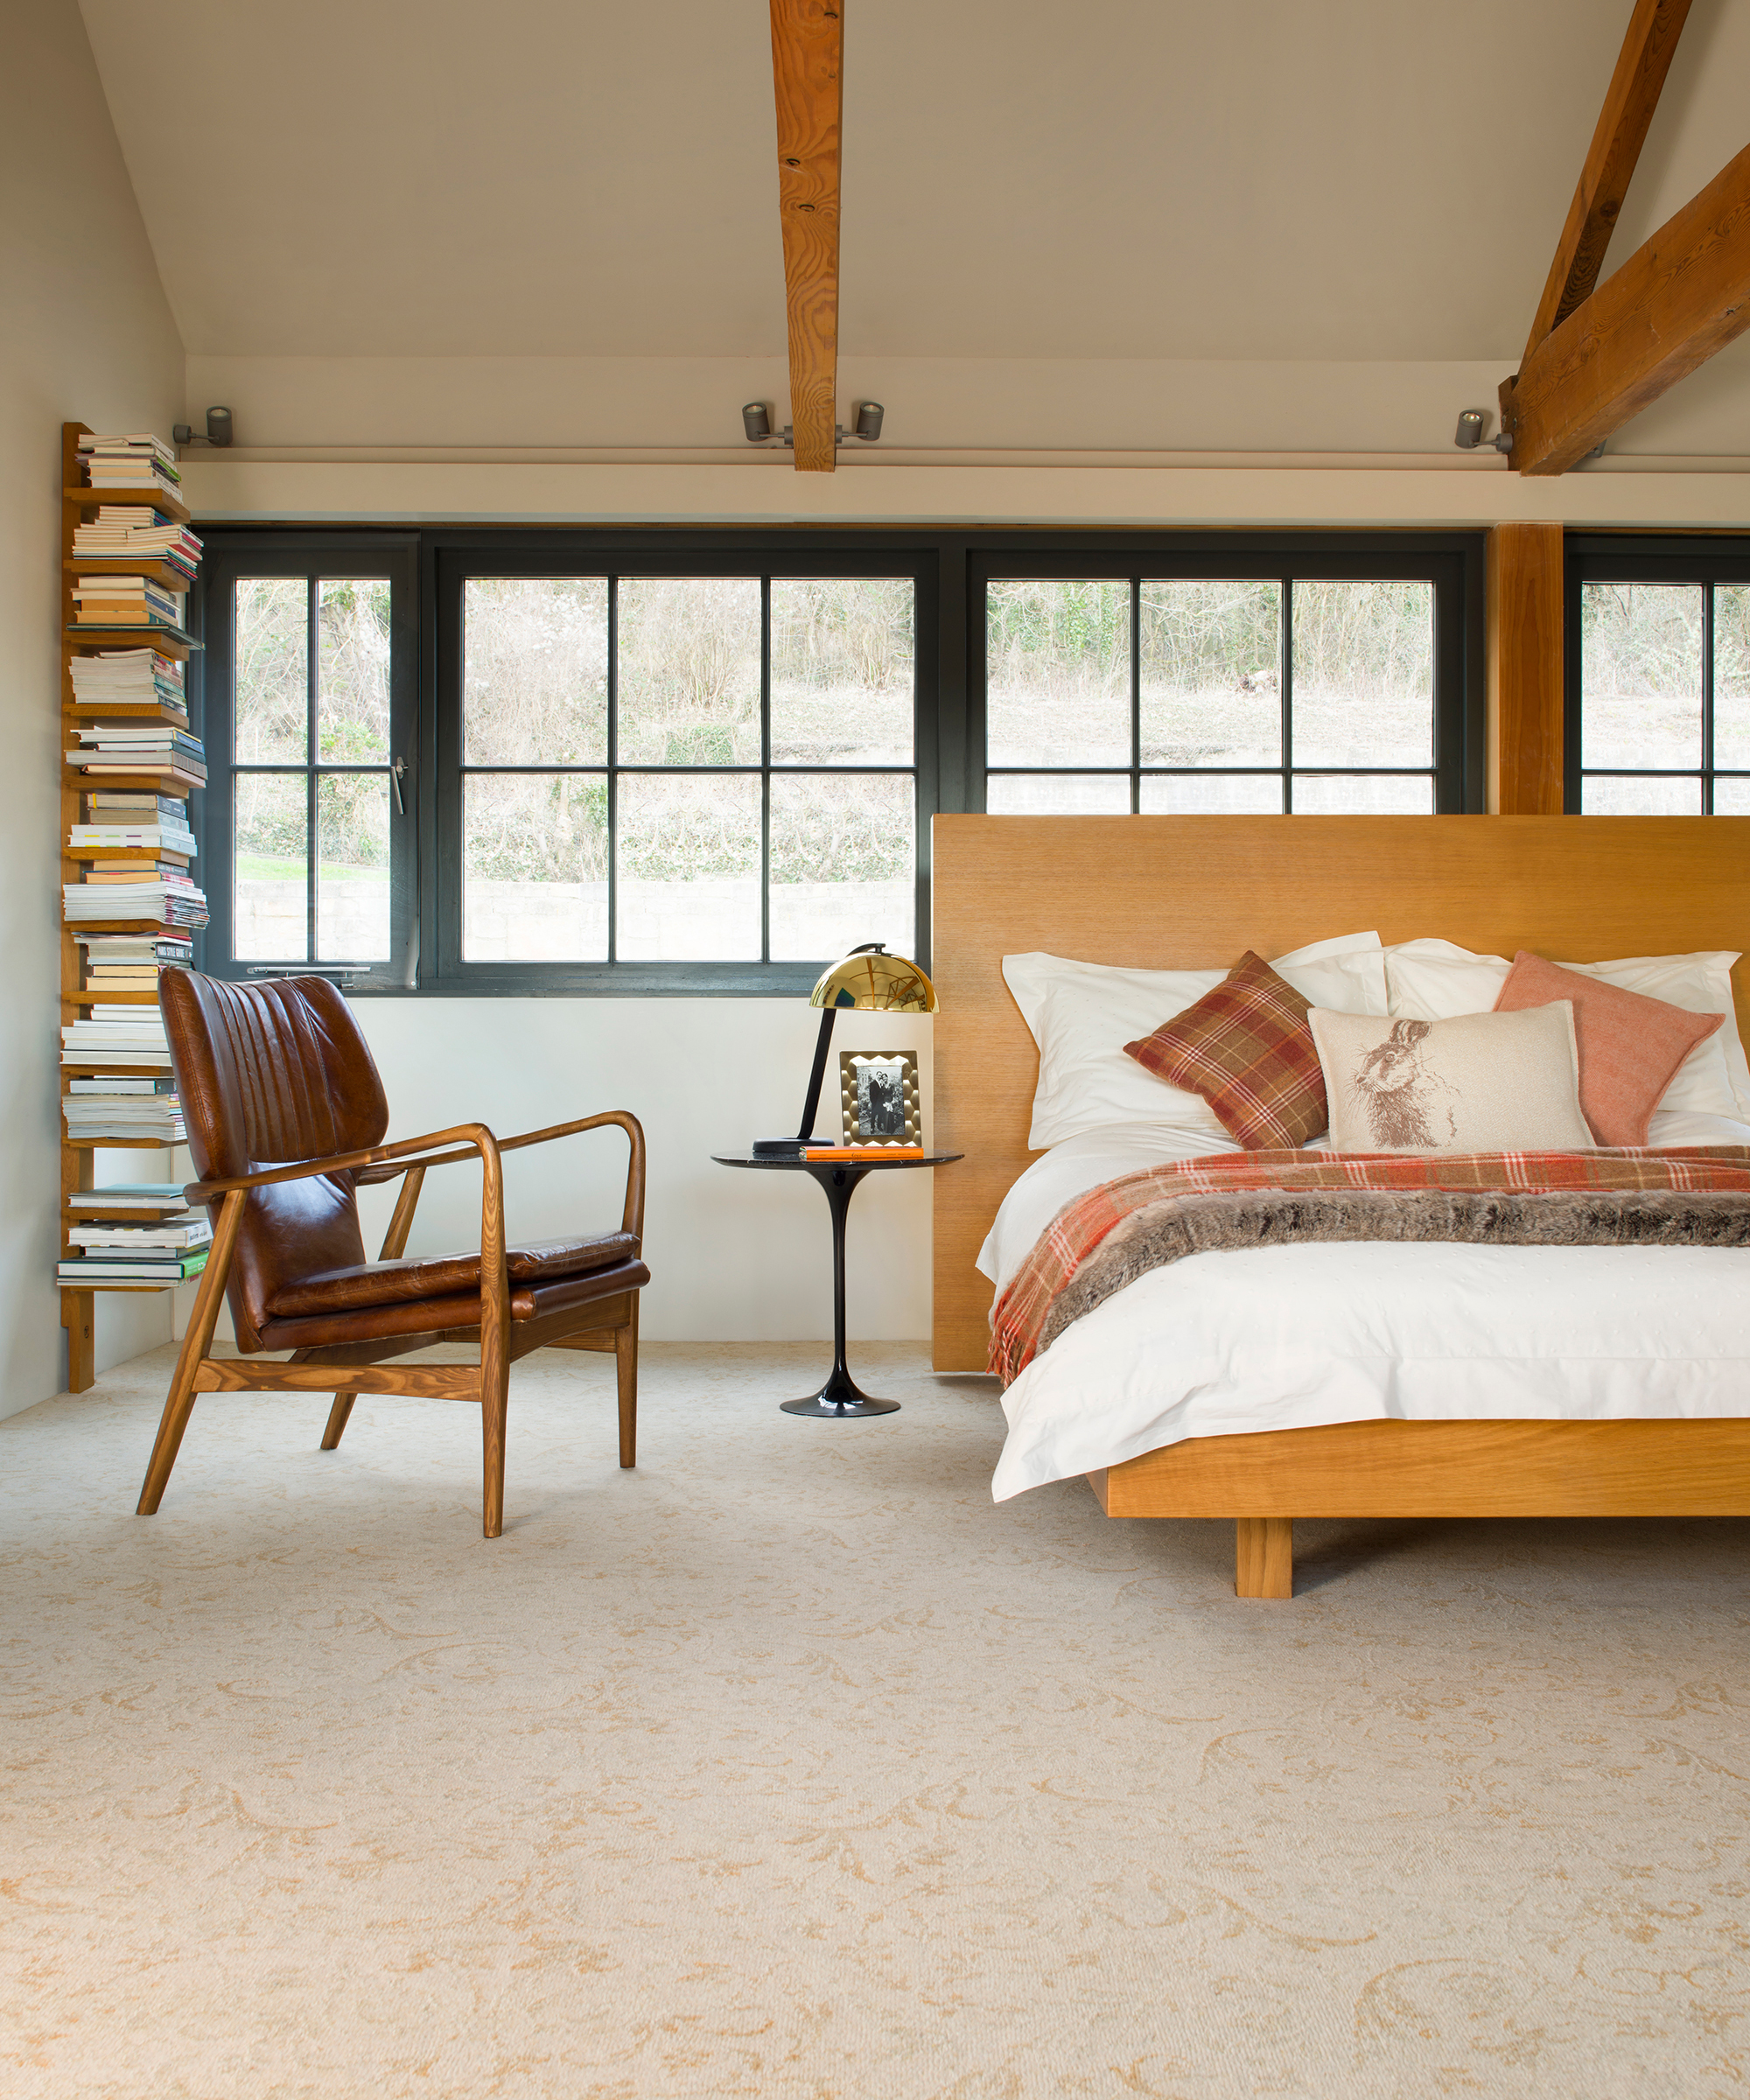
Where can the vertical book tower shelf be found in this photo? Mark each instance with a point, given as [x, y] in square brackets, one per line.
[78, 997]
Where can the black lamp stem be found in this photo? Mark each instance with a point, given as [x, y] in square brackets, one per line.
[817, 1076]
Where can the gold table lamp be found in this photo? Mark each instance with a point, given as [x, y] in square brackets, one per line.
[868, 978]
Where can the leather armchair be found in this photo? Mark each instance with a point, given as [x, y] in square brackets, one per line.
[279, 1072]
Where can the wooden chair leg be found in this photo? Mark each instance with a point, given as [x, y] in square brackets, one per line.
[625, 1362]
[179, 1401]
[337, 1420]
[494, 1409]
[1263, 1564]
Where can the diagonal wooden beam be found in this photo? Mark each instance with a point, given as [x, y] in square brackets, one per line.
[1641, 66]
[1676, 301]
[808, 51]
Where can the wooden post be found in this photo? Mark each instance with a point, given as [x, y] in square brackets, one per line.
[1263, 1556]
[1525, 671]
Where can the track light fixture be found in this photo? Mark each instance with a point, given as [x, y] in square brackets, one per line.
[218, 430]
[1468, 435]
[756, 422]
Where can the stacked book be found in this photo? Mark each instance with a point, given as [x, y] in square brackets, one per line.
[127, 601]
[138, 460]
[117, 962]
[155, 821]
[117, 1035]
[158, 892]
[125, 532]
[141, 747]
[129, 1111]
[136, 1232]
[128, 678]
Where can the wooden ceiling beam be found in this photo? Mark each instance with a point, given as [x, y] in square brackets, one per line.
[808, 54]
[1676, 301]
[1641, 66]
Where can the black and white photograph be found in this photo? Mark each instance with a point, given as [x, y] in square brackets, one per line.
[879, 1093]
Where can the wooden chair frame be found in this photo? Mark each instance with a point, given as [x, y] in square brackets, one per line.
[349, 1368]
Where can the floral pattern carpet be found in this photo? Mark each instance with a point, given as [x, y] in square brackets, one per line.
[790, 1766]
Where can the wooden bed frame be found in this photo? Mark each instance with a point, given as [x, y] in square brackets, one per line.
[1191, 893]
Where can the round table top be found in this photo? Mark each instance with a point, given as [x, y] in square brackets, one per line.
[794, 1161]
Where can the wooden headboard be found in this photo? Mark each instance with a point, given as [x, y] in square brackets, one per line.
[1194, 892]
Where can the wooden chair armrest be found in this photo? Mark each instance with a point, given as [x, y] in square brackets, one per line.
[632, 1214]
[476, 1140]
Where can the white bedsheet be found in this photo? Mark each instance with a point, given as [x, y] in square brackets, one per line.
[1293, 1337]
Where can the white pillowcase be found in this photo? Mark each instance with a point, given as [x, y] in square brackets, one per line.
[1435, 981]
[1081, 1015]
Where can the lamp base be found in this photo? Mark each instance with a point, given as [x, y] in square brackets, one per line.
[838, 1400]
[778, 1148]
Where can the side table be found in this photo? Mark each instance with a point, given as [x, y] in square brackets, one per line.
[840, 1397]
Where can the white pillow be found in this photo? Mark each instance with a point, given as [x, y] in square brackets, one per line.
[1434, 980]
[1081, 1015]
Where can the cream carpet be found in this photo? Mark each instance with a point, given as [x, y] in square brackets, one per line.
[789, 1766]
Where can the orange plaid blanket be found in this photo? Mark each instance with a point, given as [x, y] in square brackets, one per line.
[1022, 1323]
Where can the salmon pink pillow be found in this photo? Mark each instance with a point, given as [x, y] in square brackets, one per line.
[1630, 1046]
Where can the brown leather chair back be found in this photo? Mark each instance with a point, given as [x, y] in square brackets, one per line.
[270, 1074]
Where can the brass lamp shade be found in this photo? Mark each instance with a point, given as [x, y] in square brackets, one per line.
[877, 982]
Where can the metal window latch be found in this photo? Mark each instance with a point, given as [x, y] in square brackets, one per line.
[395, 773]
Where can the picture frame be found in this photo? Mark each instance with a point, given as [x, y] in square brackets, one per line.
[880, 1100]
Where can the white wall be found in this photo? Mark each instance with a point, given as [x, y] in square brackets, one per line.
[85, 336]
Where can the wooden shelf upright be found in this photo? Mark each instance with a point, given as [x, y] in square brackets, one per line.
[77, 1156]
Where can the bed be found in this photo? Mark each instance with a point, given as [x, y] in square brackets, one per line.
[1185, 893]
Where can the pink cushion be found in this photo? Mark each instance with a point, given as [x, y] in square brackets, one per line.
[1630, 1046]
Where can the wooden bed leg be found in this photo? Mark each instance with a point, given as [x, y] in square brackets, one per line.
[1264, 1562]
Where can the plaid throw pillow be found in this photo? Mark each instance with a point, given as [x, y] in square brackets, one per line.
[1247, 1049]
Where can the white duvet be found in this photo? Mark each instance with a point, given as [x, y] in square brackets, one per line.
[1293, 1337]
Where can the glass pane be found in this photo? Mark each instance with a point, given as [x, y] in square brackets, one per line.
[1626, 795]
[1363, 795]
[842, 672]
[271, 907]
[844, 864]
[1731, 674]
[1730, 797]
[1058, 795]
[689, 671]
[1211, 673]
[534, 867]
[351, 671]
[1640, 674]
[1211, 795]
[351, 867]
[1058, 658]
[272, 714]
[1363, 674]
[689, 884]
[535, 670]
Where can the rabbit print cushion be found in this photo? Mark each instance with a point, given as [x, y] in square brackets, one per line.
[1479, 1083]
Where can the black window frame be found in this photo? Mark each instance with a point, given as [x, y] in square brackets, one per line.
[1451, 562]
[327, 556]
[1694, 558]
[454, 557]
[949, 568]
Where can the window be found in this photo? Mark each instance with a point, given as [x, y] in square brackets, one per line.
[1659, 679]
[683, 774]
[307, 851]
[625, 761]
[1227, 687]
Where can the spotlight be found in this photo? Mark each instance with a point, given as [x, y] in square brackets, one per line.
[868, 422]
[756, 421]
[218, 430]
[1468, 435]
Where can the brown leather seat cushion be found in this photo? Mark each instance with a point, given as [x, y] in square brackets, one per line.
[457, 1316]
[440, 1276]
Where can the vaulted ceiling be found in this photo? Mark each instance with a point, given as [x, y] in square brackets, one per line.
[1261, 181]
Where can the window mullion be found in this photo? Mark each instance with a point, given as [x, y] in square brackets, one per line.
[313, 588]
[1286, 684]
[764, 769]
[1135, 694]
[612, 767]
[1707, 699]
